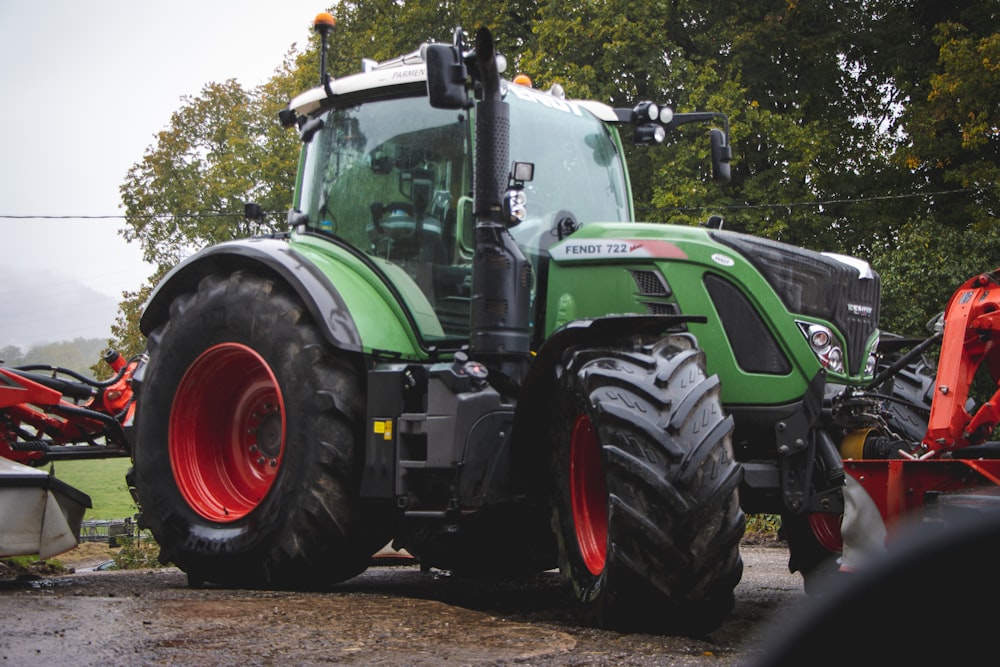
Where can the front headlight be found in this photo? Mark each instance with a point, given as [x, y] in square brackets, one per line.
[824, 345]
[871, 364]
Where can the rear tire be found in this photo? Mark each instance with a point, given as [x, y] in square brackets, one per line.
[247, 464]
[646, 514]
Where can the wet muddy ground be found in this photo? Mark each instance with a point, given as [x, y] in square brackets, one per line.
[390, 615]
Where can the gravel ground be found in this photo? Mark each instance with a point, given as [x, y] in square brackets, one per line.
[390, 615]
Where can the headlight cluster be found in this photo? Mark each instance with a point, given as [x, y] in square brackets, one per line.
[871, 364]
[824, 345]
[514, 202]
[650, 121]
[828, 350]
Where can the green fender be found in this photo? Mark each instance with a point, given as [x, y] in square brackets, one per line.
[355, 310]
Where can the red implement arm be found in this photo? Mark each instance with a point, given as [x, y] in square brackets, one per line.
[971, 336]
[901, 487]
[45, 416]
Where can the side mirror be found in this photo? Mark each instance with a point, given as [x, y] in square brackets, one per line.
[253, 212]
[722, 154]
[446, 77]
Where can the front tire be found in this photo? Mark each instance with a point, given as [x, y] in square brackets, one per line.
[647, 513]
[247, 463]
[814, 541]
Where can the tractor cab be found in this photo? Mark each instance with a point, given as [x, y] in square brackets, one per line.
[390, 176]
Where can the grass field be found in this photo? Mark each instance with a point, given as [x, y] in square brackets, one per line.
[104, 481]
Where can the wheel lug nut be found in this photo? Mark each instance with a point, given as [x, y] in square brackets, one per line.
[260, 461]
[274, 463]
[253, 449]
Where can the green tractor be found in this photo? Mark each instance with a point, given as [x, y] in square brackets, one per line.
[465, 346]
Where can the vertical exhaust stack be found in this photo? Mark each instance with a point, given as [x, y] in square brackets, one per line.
[502, 278]
[501, 275]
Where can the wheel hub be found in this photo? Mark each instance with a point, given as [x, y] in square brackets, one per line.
[268, 432]
[226, 432]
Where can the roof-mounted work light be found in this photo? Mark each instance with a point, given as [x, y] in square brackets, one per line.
[645, 111]
[650, 133]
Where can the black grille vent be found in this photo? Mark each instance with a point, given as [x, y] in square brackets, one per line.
[661, 308]
[650, 283]
[754, 346]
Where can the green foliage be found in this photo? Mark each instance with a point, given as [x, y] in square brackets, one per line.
[763, 526]
[954, 119]
[924, 263]
[190, 189]
[137, 551]
[125, 333]
[382, 29]
[21, 561]
[29, 567]
[104, 481]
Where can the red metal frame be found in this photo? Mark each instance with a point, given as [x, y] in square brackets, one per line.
[900, 487]
[29, 406]
[118, 397]
[19, 397]
[971, 336]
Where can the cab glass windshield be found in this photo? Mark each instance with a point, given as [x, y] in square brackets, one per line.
[393, 179]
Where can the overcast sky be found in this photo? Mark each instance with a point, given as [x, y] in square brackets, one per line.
[85, 87]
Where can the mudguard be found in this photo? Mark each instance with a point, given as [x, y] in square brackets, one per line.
[534, 400]
[318, 293]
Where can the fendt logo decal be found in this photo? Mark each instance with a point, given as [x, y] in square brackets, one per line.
[860, 310]
[722, 260]
[600, 249]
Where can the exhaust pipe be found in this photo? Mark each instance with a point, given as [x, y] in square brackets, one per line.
[501, 275]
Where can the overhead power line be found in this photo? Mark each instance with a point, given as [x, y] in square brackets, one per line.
[819, 202]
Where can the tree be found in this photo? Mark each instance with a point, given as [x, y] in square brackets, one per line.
[955, 130]
[858, 127]
[951, 131]
[125, 335]
[222, 149]
[924, 264]
[189, 190]
[11, 354]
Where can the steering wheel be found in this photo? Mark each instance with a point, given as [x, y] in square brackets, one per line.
[395, 220]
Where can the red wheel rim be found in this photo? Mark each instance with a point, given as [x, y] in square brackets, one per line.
[588, 495]
[227, 432]
[826, 528]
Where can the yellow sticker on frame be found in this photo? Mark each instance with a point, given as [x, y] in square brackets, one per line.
[383, 426]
